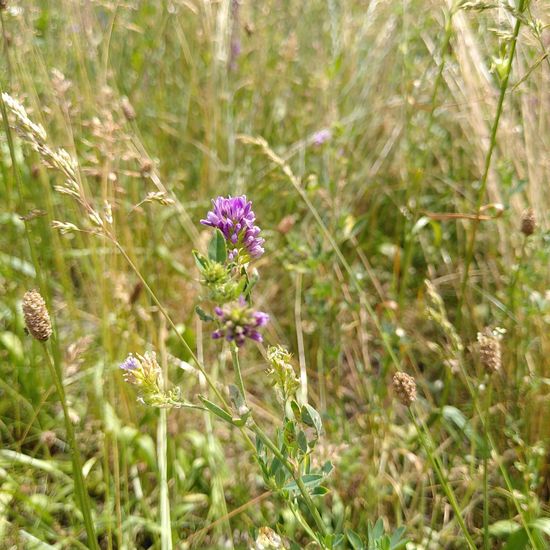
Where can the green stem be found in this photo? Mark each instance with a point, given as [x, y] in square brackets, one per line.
[267, 441]
[487, 166]
[238, 374]
[80, 487]
[485, 473]
[492, 445]
[165, 524]
[297, 478]
[423, 435]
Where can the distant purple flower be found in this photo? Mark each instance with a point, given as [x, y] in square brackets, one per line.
[239, 322]
[234, 217]
[321, 136]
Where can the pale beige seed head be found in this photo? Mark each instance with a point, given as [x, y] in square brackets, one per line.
[405, 388]
[128, 109]
[489, 350]
[528, 222]
[37, 318]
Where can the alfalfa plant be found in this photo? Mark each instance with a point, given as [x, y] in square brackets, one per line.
[228, 278]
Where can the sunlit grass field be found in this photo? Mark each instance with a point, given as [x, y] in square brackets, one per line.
[391, 150]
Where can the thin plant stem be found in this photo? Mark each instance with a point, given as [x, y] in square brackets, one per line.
[237, 367]
[503, 471]
[162, 451]
[424, 435]
[297, 478]
[487, 166]
[485, 472]
[80, 487]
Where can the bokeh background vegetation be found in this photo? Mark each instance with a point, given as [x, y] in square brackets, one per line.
[153, 96]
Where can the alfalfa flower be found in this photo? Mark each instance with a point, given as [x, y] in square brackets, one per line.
[490, 353]
[238, 321]
[144, 372]
[405, 388]
[234, 217]
[37, 318]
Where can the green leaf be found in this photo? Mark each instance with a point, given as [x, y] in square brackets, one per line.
[503, 528]
[396, 539]
[355, 540]
[327, 468]
[302, 441]
[214, 409]
[319, 491]
[200, 260]
[542, 524]
[517, 541]
[236, 396]
[309, 480]
[455, 416]
[203, 316]
[217, 249]
[12, 343]
[312, 418]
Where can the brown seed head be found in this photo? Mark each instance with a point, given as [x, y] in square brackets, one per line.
[405, 388]
[489, 350]
[37, 318]
[528, 222]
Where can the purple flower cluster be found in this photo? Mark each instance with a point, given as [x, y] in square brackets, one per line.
[234, 217]
[239, 322]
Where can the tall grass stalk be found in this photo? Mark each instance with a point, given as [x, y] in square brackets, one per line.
[52, 359]
[487, 166]
[427, 443]
[162, 453]
[80, 485]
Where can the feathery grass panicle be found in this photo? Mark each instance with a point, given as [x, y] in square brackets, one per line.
[528, 222]
[37, 318]
[404, 387]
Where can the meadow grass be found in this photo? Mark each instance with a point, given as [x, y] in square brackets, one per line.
[391, 150]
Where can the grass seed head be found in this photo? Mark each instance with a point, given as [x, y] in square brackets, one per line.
[37, 318]
[528, 222]
[489, 350]
[405, 388]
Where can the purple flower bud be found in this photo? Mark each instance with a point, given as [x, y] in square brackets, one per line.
[238, 321]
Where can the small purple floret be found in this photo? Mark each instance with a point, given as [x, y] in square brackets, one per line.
[321, 136]
[130, 363]
[234, 217]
